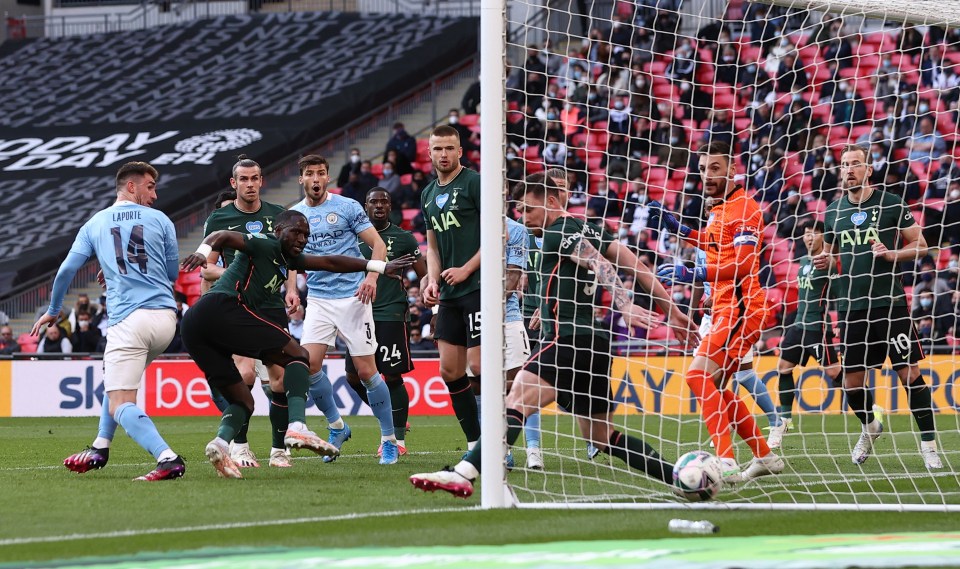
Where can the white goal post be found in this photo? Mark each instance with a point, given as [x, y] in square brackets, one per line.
[619, 94]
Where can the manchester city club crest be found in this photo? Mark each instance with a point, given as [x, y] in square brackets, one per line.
[441, 200]
[858, 218]
[332, 218]
[254, 226]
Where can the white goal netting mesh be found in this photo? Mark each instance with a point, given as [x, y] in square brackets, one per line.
[619, 95]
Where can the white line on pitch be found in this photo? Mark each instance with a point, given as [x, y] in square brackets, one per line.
[235, 525]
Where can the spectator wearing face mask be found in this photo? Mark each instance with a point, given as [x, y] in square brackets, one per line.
[390, 180]
[86, 337]
[351, 167]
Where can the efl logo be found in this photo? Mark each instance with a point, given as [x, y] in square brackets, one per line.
[177, 388]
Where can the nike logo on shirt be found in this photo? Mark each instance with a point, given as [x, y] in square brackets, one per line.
[232, 227]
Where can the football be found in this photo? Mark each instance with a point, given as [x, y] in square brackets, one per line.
[697, 476]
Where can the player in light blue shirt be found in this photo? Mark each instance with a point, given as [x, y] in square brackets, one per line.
[342, 303]
[137, 250]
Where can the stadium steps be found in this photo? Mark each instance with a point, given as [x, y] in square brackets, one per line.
[286, 191]
[309, 6]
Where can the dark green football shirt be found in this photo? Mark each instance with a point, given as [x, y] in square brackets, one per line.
[812, 286]
[568, 291]
[391, 303]
[256, 275]
[868, 281]
[260, 222]
[452, 212]
[229, 218]
[531, 296]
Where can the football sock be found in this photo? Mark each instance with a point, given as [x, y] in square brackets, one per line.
[531, 430]
[712, 410]
[748, 379]
[241, 437]
[322, 393]
[639, 455]
[279, 418]
[357, 386]
[379, 396]
[266, 390]
[787, 394]
[860, 401]
[918, 395]
[745, 424]
[465, 406]
[218, 399]
[108, 425]
[141, 429]
[233, 419]
[479, 403]
[296, 381]
[400, 400]
[514, 426]
[473, 456]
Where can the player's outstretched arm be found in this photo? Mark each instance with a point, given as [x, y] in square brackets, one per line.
[345, 264]
[367, 292]
[68, 269]
[586, 255]
[657, 217]
[216, 241]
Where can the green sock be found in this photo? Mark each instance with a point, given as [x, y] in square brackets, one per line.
[400, 400]
[640, 455]
[279, 419]
[464, 404]
[233, 419]
[788, 392]
[473, 456]
[241, 437]
[921, 405]
[296, 379]
[514, 426]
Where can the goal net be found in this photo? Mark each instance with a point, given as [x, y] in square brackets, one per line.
[617, 96]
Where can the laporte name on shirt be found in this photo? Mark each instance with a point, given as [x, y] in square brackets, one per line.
[126, 215]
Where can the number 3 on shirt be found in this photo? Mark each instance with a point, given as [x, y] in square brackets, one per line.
[136, 251]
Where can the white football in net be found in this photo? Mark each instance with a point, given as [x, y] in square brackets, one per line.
[697, 476]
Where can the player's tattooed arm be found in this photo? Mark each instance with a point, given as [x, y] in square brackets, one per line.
[586, 255]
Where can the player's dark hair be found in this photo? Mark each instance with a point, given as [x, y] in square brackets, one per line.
[312, 160]
[135, 169]
[225, 195]
[536, 184]
[372, 190]
[717, 148]
[244, 161]
[445, 130]
[288, 217]
[815, 225]
[853, 147]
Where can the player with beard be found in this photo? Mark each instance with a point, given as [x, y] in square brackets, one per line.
[867, 232]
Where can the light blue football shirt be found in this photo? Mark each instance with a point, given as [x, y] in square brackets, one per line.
[134, 244]
[334, 227]
[516, 255]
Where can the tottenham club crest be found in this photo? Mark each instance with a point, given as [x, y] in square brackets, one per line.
[332, 218]
[858, 218]
[806, 269]
[254, 226]
[441, 200]
[539, 242]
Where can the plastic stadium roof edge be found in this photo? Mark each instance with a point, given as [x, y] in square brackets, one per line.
[921, 12]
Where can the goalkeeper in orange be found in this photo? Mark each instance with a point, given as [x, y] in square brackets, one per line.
[732, 240]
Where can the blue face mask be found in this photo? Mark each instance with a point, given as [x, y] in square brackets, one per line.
[926, 302]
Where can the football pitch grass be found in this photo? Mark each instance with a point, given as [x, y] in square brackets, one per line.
[49, 513]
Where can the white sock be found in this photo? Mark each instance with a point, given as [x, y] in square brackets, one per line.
[928, 445]
[241, 445]
[873, 428]
[467, 470]
[276, 450]
[385, 438]
[338, 424]
[101, 442]
[167, 455]
[401, 444]
[470, 445]
[297, 426]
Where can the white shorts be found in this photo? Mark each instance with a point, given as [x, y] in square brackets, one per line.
[705, 326]
[352, 318]
[133, 343]
[518, 345]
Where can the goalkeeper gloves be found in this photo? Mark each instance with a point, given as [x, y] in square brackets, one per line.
[658, 216]
[670, 274]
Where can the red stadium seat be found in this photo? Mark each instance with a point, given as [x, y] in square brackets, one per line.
[28, 343]
[470, 120]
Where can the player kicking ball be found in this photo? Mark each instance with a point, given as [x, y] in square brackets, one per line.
[226, 321]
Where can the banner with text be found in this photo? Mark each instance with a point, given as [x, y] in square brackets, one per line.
[188, 98]
[652, 385]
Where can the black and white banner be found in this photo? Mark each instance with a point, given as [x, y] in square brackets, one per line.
[188, 99]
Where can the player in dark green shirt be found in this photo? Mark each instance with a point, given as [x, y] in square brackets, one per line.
[390, 311]
[451, 210]
[867, 232]
[811, 334]
[249, 214]
[573, 366]
[228, 321]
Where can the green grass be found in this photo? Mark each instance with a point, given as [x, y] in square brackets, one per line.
[338, 504]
